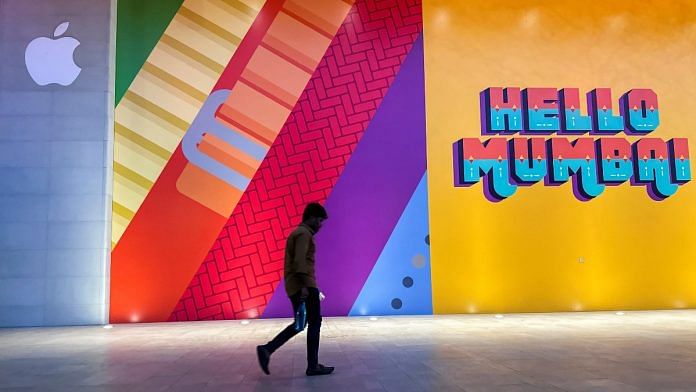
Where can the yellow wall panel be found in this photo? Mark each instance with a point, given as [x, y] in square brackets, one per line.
[542, 249]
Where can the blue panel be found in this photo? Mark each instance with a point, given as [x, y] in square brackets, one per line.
[400, 280]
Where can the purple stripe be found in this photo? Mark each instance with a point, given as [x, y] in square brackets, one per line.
[371, 193]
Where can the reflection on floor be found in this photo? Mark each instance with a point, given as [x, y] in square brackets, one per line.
[635, 351]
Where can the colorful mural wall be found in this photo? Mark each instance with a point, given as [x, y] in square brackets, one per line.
[238, 115]
[558, 172]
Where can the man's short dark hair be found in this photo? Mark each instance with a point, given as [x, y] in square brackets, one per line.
[314, 210]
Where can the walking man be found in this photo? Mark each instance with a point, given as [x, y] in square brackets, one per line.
[301, 286]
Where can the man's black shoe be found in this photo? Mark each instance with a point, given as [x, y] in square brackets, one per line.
[320, 370]
[264, 357]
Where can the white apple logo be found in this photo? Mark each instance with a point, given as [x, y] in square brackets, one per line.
[51, 60]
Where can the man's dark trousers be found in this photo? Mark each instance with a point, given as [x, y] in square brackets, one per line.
[313, 328]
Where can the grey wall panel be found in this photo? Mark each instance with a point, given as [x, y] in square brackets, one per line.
[55, 163]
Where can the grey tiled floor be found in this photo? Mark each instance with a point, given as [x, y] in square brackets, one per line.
[638, 351]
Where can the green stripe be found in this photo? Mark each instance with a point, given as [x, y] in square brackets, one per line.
[139, 24]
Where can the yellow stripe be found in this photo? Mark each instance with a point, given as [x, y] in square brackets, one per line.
[177, 83]
[150, 81]
[119, 224]
[256, 5]
[132, 196]
[137, 159]
[193, 54]
[241, 7]
[226, 18]
[157, 111]
[148, 125]
[123, 211]
[183, 106]
[117, 230]
[208, 25]
[241, 19]
[186, 31]
[172, 61]
[142, 142]
[132, 176]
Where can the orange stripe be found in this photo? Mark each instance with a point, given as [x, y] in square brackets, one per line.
[276, 75]
[286, 57]
[208, 190]
[266, 134]
[297, 40]
[267, 88]
[265, 91]
[326, 15]
[231, 150]
[230, 160]
[307, 23]
[226, 115]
